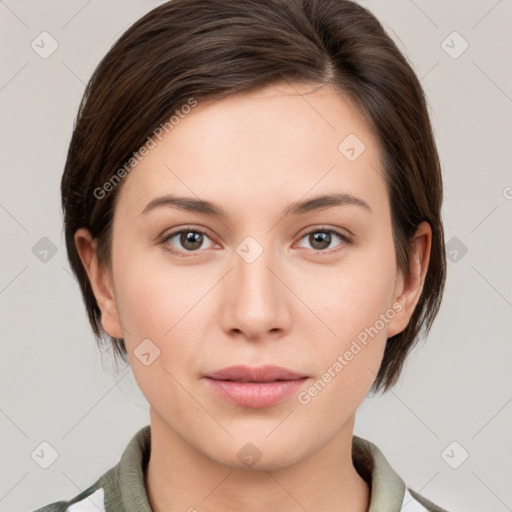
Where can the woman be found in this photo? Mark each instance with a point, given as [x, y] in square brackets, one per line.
[252, 206]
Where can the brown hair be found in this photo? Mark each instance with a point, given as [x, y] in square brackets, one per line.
[208, 49]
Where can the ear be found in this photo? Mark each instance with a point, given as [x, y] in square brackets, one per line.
[408, 288]
[101, 283]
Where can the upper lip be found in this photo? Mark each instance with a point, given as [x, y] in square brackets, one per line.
[242, 373]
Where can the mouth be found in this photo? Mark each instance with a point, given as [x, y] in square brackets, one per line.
[255, 387]
[242, 373]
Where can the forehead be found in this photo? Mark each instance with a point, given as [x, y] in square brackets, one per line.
[280, 141]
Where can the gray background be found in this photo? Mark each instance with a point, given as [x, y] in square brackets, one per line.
[59, 388]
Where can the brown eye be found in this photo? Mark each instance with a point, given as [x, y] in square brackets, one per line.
[185, 240]
[321, 239]
[191, 240]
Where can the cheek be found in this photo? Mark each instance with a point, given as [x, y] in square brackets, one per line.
[152, 295]
[348, 363]
[160, 307]
[355, 302]
[352, 296]
[165, 304]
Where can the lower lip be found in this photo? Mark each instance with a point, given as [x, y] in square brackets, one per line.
[256, 394]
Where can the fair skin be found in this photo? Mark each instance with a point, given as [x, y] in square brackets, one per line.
[298, 305]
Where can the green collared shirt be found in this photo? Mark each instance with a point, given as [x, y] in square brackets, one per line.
[121, 488]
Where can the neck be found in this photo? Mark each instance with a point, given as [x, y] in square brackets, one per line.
[180, 478]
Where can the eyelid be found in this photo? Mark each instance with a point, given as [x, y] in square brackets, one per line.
[176, 231]
[315, 228]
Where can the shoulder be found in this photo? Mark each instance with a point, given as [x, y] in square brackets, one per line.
[388, 489]
[90, 500]
[123, 483]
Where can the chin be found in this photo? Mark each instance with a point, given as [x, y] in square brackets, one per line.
[257, 456]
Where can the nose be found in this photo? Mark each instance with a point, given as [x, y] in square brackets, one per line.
[256, 302]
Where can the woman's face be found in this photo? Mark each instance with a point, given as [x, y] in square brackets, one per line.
[282, 279]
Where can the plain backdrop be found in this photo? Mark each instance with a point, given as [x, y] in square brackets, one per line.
[445, 427]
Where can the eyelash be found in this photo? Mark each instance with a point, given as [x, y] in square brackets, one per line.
[344, 238]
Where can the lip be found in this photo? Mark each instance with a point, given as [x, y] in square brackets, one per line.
[255, 387]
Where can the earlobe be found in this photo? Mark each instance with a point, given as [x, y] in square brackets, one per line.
[408, 288]
[101, 282]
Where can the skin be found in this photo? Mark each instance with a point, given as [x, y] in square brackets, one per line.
[298, 305]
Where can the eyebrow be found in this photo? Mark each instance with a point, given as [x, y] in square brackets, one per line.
[191, 204]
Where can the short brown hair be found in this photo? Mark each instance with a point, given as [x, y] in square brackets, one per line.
[210, 49]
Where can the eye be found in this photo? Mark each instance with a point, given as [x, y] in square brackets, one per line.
[190, 239]
[321, 238]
